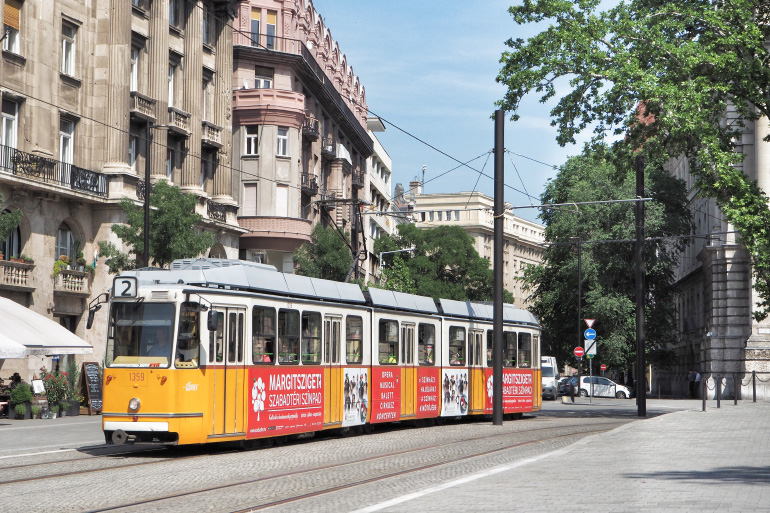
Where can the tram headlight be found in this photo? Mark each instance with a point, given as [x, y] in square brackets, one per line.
[133, 404]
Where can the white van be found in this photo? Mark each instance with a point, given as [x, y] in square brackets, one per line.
[550, 377]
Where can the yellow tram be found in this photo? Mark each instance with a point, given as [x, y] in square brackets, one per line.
[227, 350]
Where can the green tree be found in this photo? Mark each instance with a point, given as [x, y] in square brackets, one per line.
[397, 277]
[444, 263]
[172, 230]
[326, 256]
[607, 269]
[679, 66]
[8, 221]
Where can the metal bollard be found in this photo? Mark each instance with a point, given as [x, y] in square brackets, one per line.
[705, 390]
[754, 385]
[735, 389]
[718, 388]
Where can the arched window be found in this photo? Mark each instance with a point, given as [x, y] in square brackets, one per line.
[11, 246]
[65, 242]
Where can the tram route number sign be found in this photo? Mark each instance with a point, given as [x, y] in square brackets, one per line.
[91, 386]
[579, 352]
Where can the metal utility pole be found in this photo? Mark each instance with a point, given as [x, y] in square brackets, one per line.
[641, 385]
[146, 229]
[497, 312]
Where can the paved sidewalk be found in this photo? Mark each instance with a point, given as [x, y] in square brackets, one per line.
[687, 461]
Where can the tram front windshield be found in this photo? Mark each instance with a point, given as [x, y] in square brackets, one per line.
[141, 334]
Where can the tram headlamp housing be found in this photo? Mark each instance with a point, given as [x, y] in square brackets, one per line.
[134, 404]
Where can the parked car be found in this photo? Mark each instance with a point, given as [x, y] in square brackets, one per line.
[602, 387]
[562, 387]
[550, 376]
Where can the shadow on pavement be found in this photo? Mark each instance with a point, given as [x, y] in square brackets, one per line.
[723, 475]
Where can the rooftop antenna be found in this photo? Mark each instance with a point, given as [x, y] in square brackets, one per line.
[423, 178]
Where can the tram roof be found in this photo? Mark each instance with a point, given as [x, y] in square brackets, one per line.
[251, 276]
[392, 299]
[485, 311]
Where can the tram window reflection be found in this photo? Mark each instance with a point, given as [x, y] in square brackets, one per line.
[525, 349]
[216, 340]
[188, 338]
[456, 345]
[388, 342]
[132, 337]
[426, 344]
[353, 345]
[288, 336]
[509, 349]
[311, 338]
[490, 348]
[263, 336]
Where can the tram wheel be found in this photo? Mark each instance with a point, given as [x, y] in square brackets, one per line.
[368, 428]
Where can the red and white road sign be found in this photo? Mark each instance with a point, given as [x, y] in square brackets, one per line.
[590, 322]
[579, 351]
[603, 367]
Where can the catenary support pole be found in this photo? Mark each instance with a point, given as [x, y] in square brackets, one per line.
[146, 228]
[641, 382]
[497, 313]
[754, 386]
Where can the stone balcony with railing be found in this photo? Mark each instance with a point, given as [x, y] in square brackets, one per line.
[16, 276]
[179, 121]
[142, 106]
[212, 135]
[76, 283]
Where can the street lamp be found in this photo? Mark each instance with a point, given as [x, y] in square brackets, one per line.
[388, 252]
[147, 188]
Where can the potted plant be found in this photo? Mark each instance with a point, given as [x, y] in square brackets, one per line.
[63, 405]
[26, 259]
[62, 263]
[36, 411]
[54, 410]
[15, 258]
[79, 257]
[21, 411]
[21, 396]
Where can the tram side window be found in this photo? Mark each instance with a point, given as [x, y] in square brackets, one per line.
[490, 347]
[388, 342]
[216, 340]
[188, 338]
[354, 330]
[509, 349]
[474, 347]
[332, 336]
[456, 345]
[288, 336]
[311, 337]
[235, 338]
[263, 336]
[525, 350]
[407, 343]
[426, 344]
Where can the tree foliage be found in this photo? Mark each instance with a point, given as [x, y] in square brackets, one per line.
[699, 70]
[326, 256]
[607, 268]
[444, 263]
[173, 232]
[397, 277]
[8, 221]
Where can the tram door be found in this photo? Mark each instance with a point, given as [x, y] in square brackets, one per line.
[333, 379]
[226, 347]
[476, 362]
[409, 371]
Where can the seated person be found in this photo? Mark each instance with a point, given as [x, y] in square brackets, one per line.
[161, 345]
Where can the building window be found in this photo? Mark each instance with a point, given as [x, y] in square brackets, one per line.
[12, 25]
[251, 140]
[132, 145]
[172, 150]
[66, 131]
[263, 78]
[65, 242]
[209, 26]
[283, 142]
[68, 32]
[206, 100]
[282, 201]
[171, 73]
[134, 80]
[175, 12]
[9, 127]
[270, 30]
[208, 167]
[255, 26]
[11, 246]
[250, 199]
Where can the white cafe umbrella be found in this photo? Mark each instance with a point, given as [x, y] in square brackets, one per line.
[11, 349]
[40, 334]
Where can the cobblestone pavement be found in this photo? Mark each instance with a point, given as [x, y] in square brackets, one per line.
[687, 461]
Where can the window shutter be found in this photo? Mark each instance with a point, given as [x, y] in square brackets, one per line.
[11, 17]
[250, 199]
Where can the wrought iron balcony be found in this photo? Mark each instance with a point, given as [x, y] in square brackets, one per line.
[359, 180]
[328, 198]
[309, 184]
[310, 129]
[16, 276]
[216, 211]
[142, 106]
[327, 148]
[212, 135]
[43, 169]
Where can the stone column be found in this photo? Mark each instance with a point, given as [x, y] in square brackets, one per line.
[118, 115]
[157, 52]
[223, 94]
[192, 95]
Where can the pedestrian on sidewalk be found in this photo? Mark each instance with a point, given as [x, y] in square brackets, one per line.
[697, 384]
[691, 382]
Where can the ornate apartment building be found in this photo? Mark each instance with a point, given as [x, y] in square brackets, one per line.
[94, 95]
[300, 141]
[473, 211]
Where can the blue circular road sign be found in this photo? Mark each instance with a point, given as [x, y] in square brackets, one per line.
[589, 334]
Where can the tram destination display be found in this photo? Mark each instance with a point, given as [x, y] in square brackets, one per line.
[92, 385]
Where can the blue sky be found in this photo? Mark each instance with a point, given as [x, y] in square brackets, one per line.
[430, 68]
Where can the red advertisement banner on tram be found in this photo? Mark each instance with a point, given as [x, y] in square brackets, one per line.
[386, 394]
[285, 400]
[518, 390]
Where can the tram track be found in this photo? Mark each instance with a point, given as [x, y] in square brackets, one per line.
[579, 432]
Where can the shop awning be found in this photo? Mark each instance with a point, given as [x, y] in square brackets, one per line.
[11, 349]
[39, 334]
